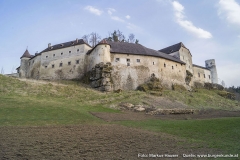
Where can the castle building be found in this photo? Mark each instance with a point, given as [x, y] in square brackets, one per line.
[131, 64]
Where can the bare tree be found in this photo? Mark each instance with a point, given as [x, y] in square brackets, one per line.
[137, 41]
[94, 39]
[131, 38]
[223, 84]
[120, 35]
[13, 68]
[86, 38]
[2, 71]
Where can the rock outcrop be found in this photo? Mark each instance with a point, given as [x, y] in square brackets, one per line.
[100, 77]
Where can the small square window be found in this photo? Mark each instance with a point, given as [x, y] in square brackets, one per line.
[153, 63]
[77, 50]
[53, 55]
[128, 60]
[53, 66]
[138, 60]
[172, 67]
[46, 56]
[164, 65]
[117, 59]
[69, 51]
[62, 53]
[45, 66]
[77, 61]
[69, 63]
[60, 65]
[128, 64]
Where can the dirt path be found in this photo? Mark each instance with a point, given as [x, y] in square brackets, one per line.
[130, 115]
[88, 142]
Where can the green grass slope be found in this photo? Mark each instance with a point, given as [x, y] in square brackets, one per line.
[67, 103]
[44, 103]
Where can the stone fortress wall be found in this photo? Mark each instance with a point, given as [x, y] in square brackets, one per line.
[128, 71]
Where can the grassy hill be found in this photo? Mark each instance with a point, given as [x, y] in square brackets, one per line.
[36, 103]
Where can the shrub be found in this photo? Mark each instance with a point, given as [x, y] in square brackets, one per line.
[198, 85]
[177, 87]
[226, 94]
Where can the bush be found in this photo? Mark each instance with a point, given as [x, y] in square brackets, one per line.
[198, 85]
[226, 94]
[153, 85]
[208, 86]
[177, 87]
[218, 86]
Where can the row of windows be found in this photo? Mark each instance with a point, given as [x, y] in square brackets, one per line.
[138, 60]
[199, 75]
[61, 64]
[62, 53]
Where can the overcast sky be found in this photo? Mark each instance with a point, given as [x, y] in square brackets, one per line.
[210, 29]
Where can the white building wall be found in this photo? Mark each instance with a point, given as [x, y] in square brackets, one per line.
[130, 71]
[201, 75]
[65, 63]
[186, 57]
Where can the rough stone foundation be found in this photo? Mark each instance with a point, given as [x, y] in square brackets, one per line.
[100, 77]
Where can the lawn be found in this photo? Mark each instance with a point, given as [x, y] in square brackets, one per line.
[221, 133]
[28, 104]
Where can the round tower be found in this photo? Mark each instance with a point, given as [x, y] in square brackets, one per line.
[211, 65]
[103, 51]
[24, 64]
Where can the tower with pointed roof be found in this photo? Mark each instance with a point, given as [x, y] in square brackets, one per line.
[23, 70]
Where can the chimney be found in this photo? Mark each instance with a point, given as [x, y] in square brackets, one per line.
[49, 45]
[76, 40]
